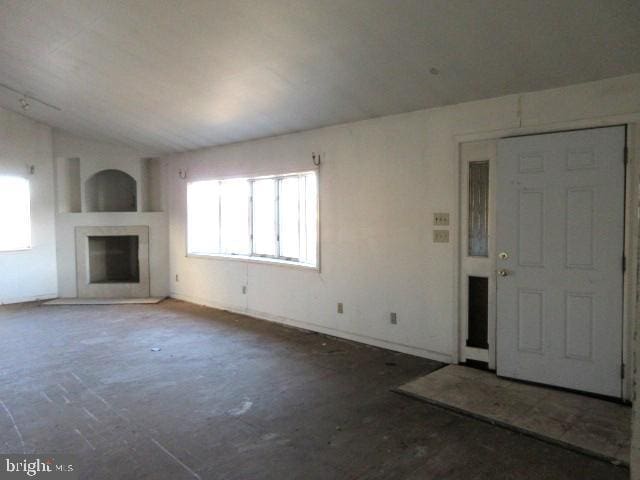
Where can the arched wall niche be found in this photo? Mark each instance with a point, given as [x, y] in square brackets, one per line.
[111, 191]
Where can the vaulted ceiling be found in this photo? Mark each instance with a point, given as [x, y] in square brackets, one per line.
[173, 75]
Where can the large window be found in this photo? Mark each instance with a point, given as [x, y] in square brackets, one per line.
[266, 217]
[15, 214]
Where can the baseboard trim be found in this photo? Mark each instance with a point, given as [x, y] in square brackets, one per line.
[356, 337]
[34, 298]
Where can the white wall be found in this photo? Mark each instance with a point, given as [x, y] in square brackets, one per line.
[29, 274]
[380, 182]
[93, 157]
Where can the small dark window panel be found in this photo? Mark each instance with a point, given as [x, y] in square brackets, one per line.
[114, 259]
[478, 312]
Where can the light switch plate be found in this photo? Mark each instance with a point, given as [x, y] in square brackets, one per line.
[441, 219]
[441, 236]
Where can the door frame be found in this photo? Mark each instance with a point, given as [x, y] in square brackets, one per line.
[631, 203]
[469, 152]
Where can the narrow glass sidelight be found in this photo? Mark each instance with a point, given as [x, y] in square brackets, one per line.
[478, 209]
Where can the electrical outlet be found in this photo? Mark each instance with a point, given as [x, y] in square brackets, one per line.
[340, 308]
[244, 289]
[441, 219]
[393, 318]
[177, 278]
[441, 236]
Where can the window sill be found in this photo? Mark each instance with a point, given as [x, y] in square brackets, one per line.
[258, 260]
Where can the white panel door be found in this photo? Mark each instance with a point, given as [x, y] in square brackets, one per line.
[560, 225]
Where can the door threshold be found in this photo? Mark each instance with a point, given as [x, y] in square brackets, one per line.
[476, 364]
[573, 391]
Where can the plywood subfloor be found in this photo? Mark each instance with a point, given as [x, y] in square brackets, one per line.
[103, 301]
[590, 425]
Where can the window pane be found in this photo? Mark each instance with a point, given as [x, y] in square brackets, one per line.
[15, 214]
[264, 217]
[289, 210]
[203, 235]
[478, 209]
[234, 209]
[309, 223]
[477, 319]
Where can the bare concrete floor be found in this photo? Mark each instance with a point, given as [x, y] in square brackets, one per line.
[230, 397]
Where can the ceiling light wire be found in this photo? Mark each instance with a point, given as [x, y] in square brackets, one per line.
[25, 97]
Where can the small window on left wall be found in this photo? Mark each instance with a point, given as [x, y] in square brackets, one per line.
[15, 214]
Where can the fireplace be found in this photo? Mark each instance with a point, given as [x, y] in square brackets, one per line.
[112, 262]
[113, 259]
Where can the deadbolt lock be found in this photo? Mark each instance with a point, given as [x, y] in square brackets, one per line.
[503, 255]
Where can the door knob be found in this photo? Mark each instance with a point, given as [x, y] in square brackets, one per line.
[502, 272]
